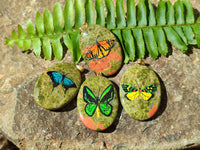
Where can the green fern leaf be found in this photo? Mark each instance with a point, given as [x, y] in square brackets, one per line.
[57, 48]
[149, 34]
[172, 32]
[30, 29]
[68, 23]
[131, 22]
[48, 22]
[57, 18]
[36, 46]
[110, 19]
[47, 49]
[39, 24]
[159, 32]
[196, 29]
[138, 29]
[121, 23]
[89, 12]
[99, 6]
[79, 21]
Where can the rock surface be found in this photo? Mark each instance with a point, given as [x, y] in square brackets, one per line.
[5, 144]
[175, 126]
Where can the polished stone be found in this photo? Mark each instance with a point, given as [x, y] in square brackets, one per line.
[140, 92]
[97, 103]
[57, 86]
[101, 50]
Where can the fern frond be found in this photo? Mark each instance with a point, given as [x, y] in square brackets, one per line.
[138, 29]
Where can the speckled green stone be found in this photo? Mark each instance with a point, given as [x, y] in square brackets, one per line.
[107, 65]
[52, 100]
[98, 121]
[140, 76]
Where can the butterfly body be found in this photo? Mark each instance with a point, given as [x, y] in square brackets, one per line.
[101, 103]
[58, 78]
[132, 93]
[100, 49]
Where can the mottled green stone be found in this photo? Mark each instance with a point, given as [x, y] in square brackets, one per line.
[52, 100]
[98, 121]
[107, 65]
[140, 76]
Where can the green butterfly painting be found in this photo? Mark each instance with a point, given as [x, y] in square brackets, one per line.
[98, 104]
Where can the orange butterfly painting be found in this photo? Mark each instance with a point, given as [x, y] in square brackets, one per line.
[100, 49]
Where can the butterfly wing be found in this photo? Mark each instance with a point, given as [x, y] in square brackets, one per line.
[104, 48]
[145, 95]
[151, 88]
[148, 92]
[92, 52]
[67, 83]
[90, 99]
[107, 44]
[56, 78]
[106, 97]
[131, 92]
[131, 96]
[100, 49]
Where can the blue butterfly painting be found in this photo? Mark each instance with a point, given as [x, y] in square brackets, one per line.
[58, 78]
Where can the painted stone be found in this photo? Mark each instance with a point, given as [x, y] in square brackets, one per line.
[140, 92]
[97, 103]
[101, 50]
[57, 86]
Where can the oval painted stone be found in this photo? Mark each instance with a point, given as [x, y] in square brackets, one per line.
[140, 92]
[101, 50]
[57, 86]
[97, 103]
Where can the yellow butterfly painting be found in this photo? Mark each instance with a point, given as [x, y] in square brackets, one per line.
[132, 93]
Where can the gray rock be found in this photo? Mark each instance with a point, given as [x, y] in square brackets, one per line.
[5, 144]
[176, 125]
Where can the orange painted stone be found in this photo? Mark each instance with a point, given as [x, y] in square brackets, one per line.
[97, 103]
[101, 50]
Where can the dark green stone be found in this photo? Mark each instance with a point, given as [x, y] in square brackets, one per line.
[94, 35]
[56, 98]
[98, 121]
[140, 77]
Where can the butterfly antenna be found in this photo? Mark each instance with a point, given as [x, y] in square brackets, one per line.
[98, 92]
[65, 74]
[97, 38]
[137, 85]
[52, 89]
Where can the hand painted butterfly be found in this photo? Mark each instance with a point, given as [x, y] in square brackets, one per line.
[132, 93]
[58, 78]
[101, 103]
[100, 49]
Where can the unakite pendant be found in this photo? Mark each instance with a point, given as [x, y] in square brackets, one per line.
[97, 103]
[57, 86]
[140, 92]
[101, 50]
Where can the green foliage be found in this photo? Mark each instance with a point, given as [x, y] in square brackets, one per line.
[141, 27]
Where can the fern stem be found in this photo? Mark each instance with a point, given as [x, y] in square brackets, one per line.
[156, 26]
[117, 28]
